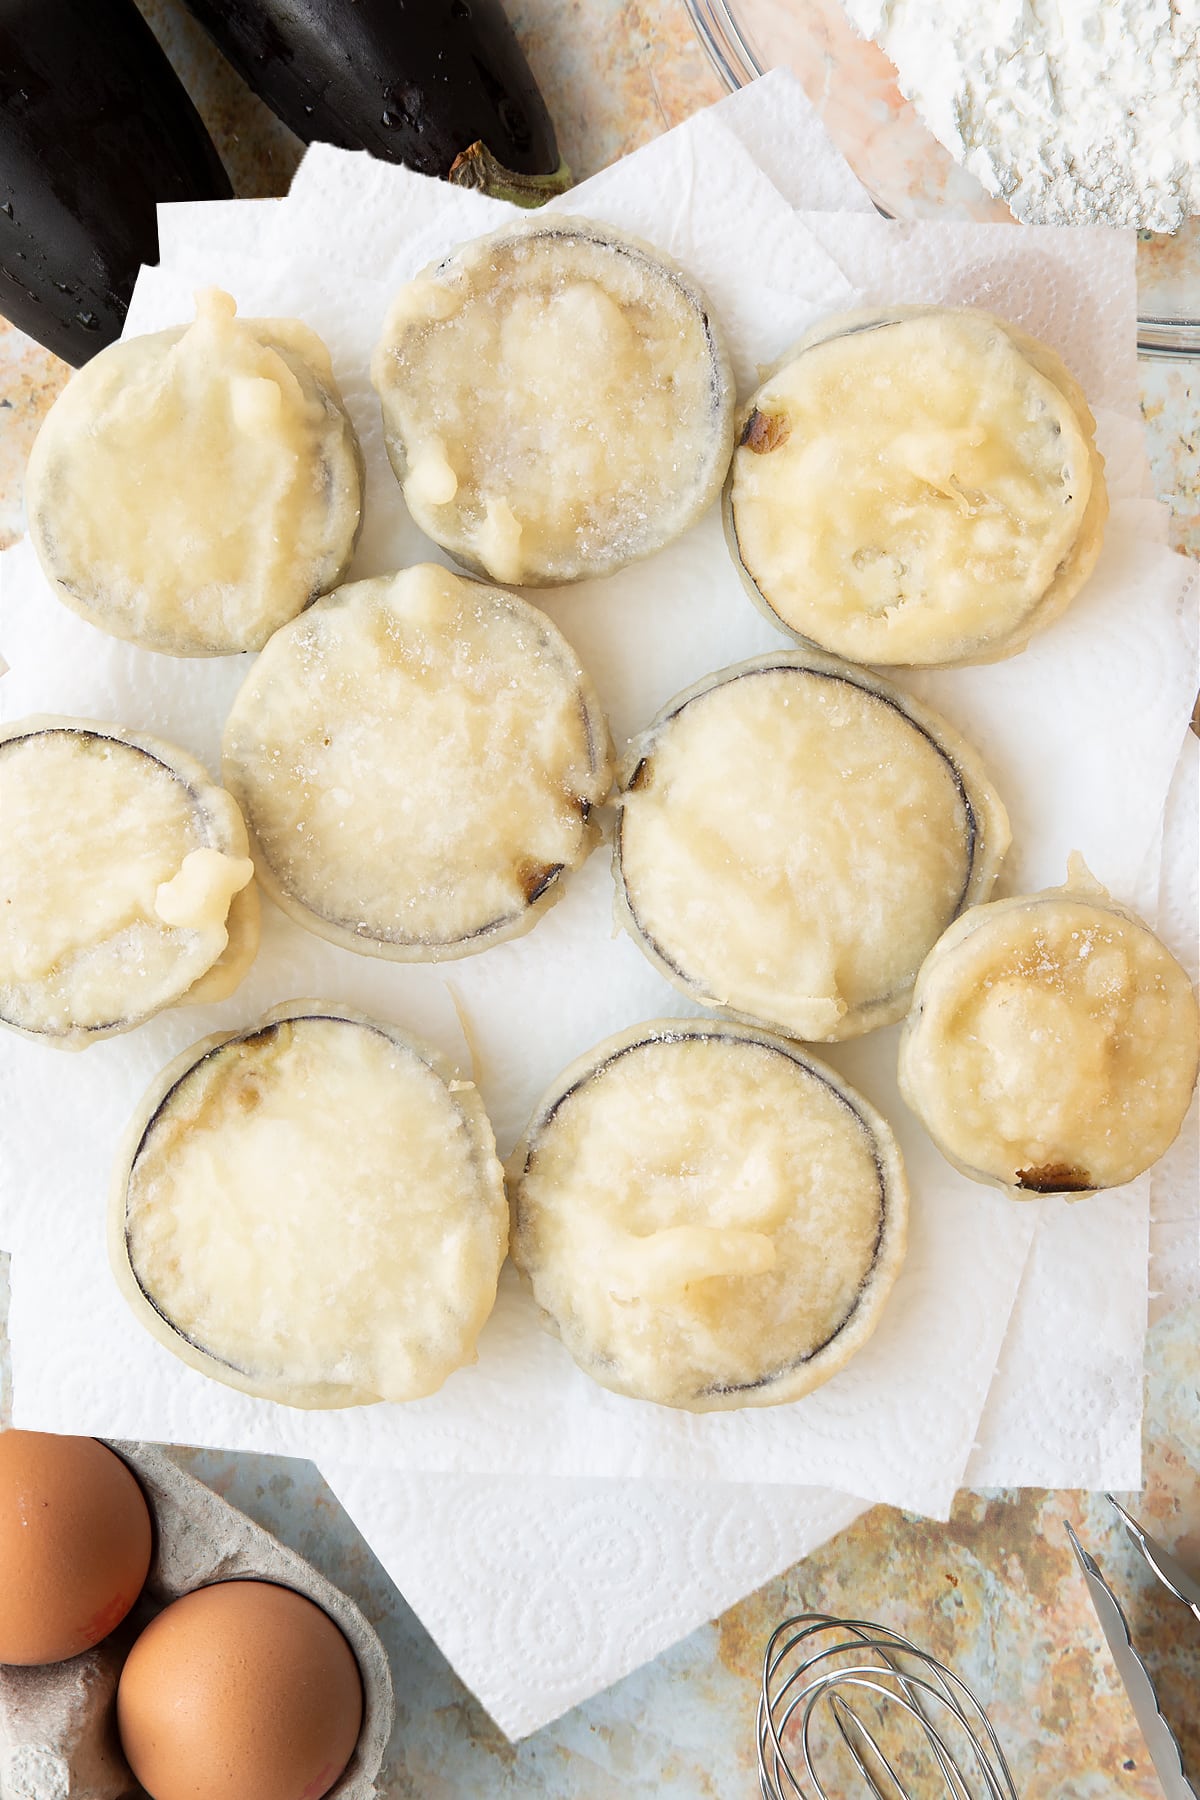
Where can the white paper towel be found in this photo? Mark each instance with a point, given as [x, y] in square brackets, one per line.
[1065, 1408]
[1175, 1182]
[542, 1594]
[528, 1696]
[517, 1543]
[570, 975]
[898, 1423]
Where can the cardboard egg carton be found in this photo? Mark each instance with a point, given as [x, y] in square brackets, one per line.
[58, 1736]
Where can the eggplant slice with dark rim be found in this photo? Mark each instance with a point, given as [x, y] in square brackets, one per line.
[709, 1217]
[349, 1248]
[1053, 1042]
[916, 486]
[95, 131]
[193, 489]
[419, 759]
[557, 401]
[125, 885]
[794, 835]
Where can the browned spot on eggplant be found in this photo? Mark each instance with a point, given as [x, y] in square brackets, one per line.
[1055, 1178]
[247, 1092]
[535, 878]
[640, 777]
[764, 432]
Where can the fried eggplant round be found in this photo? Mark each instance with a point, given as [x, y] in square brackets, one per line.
[708, 1217]
[557, 401]
[916, 486]
[126, 881]
[312, 1210]
[418, 758]
[794, 836]
[1053, 1043]
[193, 489]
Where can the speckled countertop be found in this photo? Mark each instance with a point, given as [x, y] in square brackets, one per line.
[995, 1591]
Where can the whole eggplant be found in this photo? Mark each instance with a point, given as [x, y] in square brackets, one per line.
[430, 83]
[94, 129]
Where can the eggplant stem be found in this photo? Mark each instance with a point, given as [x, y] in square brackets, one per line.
[476, 167]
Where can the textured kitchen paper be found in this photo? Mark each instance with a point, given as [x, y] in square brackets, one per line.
[1065, 1408]
[898, 1423]
[542, 1594]
[1175, 1181]
[531, 1005]
[573, 1613]
[775, 121]
[587, 1579]
[687, 158]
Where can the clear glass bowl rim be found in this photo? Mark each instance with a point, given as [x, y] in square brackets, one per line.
[737, 63]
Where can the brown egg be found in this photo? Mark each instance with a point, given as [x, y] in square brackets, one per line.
[75, 1542]
[239, 1691]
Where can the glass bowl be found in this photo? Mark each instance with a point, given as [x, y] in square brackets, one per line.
[907, 173]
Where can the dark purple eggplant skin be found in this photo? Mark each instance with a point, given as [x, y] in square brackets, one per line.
[94, 129]
[412, 81]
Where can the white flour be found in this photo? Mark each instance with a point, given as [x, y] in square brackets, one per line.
[1072, 110]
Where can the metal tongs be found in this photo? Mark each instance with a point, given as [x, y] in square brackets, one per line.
[1161, 1741]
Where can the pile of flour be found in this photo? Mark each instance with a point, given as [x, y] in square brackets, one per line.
[1072, 113]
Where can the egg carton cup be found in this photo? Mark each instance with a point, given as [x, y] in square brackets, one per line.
[58, 1734]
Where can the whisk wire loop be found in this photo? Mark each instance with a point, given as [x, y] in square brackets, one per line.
[853, 1728]
[907, 1703]
[816, 1664]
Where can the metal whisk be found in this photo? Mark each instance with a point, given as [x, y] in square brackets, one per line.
[843, 1695]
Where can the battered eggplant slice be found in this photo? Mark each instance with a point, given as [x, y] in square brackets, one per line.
[312, 1211]
[708, 1217]
[557, 401]
[794, 836]
[126, 884]
[193, 489]
[418, 759]
[916, 486]
[1053, 1042]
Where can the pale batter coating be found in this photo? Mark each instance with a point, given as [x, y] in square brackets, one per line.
[794, 835]
[312, 1211]
[708, 1217]
[126, 884]
[193, 489]
[1053, 1042]
[557, 401]
[916, 486]
[418, 758]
